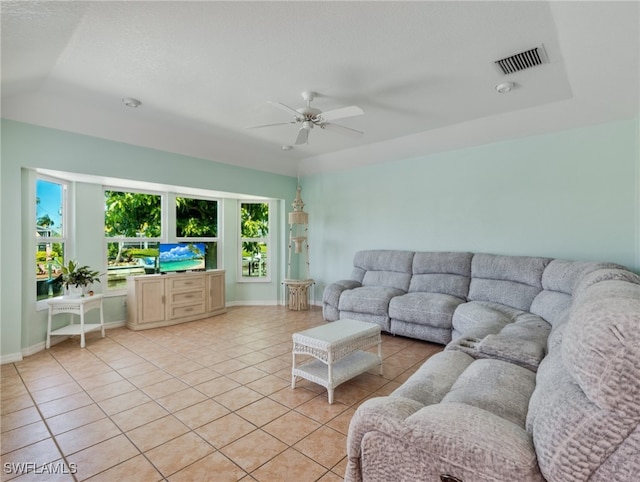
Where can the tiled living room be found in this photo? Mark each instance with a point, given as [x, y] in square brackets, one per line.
[205, 400]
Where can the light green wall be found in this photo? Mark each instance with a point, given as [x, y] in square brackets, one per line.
[26, 147]
[572, 195]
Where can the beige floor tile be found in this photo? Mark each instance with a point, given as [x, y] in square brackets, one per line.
[161, 387]
[225, 430]
[182, 399]
[74, 418]
[253, 450]
[179, 453]
[289, 465]
[138, 416]
[16, 403]
[165, 387]
[110, 390]
[124, 402]
[262, 412]
[65, 404]
[319, 409]
[291, 427]
[19, 418]
[23, 436]
[201, 413]
[217, 386]
[238, 398]
[59, 391]
[292, 397]
[213, 466]
[136, 469]
[199, 376]
[268, 384]
[40, 453]
[326, 446]
[157, 432]
[90, 434]
[102, 456]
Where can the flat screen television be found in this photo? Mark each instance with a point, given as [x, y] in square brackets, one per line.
[181, 257]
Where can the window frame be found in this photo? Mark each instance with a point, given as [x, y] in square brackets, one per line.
[65, 217]
[202, 239]
[129, 239]
[266, 240]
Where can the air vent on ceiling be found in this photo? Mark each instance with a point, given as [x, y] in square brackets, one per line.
[523, 60]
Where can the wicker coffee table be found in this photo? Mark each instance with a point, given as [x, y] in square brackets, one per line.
[338, 352]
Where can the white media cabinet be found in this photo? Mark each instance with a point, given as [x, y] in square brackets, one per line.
[168, 299]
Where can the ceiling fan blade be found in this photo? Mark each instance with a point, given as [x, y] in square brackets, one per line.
[271, 125]
[303, 136]
[342, 129]
[285, 108]
[341, 113]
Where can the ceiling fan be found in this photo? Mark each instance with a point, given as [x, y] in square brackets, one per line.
[309, 117]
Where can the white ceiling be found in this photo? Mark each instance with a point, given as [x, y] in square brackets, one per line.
[423, 72]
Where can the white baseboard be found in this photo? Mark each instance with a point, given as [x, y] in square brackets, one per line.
[253, 303]
[30, 350]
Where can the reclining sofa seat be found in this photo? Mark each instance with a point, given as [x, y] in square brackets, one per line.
[517, 403]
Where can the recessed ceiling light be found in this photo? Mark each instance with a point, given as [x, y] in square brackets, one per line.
[287, 148]
[131, 102]
[505, 87]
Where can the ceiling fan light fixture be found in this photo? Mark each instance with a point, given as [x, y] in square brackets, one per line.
[505, 87]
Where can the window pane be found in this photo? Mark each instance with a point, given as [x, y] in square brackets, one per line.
[211, 255]
[254, 220]
[196, 218]
[130, 258]
[49, 257]
[131, 214]
[49, 201]
[254, 259]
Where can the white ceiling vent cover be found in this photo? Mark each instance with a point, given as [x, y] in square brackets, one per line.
[523, 60]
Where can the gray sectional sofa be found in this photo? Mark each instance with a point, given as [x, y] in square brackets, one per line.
[539, 379]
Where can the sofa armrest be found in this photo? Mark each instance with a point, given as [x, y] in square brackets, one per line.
[387, 412]
[332, 292]
[456, 439]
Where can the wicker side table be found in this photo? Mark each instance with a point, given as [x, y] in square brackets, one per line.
[74, 306]
[338, 352]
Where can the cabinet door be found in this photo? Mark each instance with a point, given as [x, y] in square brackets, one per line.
[150, 299]
[215, 291]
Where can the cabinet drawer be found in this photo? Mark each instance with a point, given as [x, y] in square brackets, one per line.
[187, 296]
[186, 310]
[190, 283]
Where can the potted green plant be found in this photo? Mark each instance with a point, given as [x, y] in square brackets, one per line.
[77, 278]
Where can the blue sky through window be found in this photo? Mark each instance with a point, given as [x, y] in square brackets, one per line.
[50, 199]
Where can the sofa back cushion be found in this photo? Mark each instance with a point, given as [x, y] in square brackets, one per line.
[380, 267]
[584, 411]
[509, 280]
[442, 272]
[559, 281]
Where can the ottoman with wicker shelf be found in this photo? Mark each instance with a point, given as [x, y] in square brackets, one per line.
[338, 351]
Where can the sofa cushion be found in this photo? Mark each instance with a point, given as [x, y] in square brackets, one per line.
[600, 346]
[431, 382]
[368, 299]
[386, 268]
[432, 309]
[496, 386]
[442, 272]
[559, 281]
[509, 280]
[476, 319]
